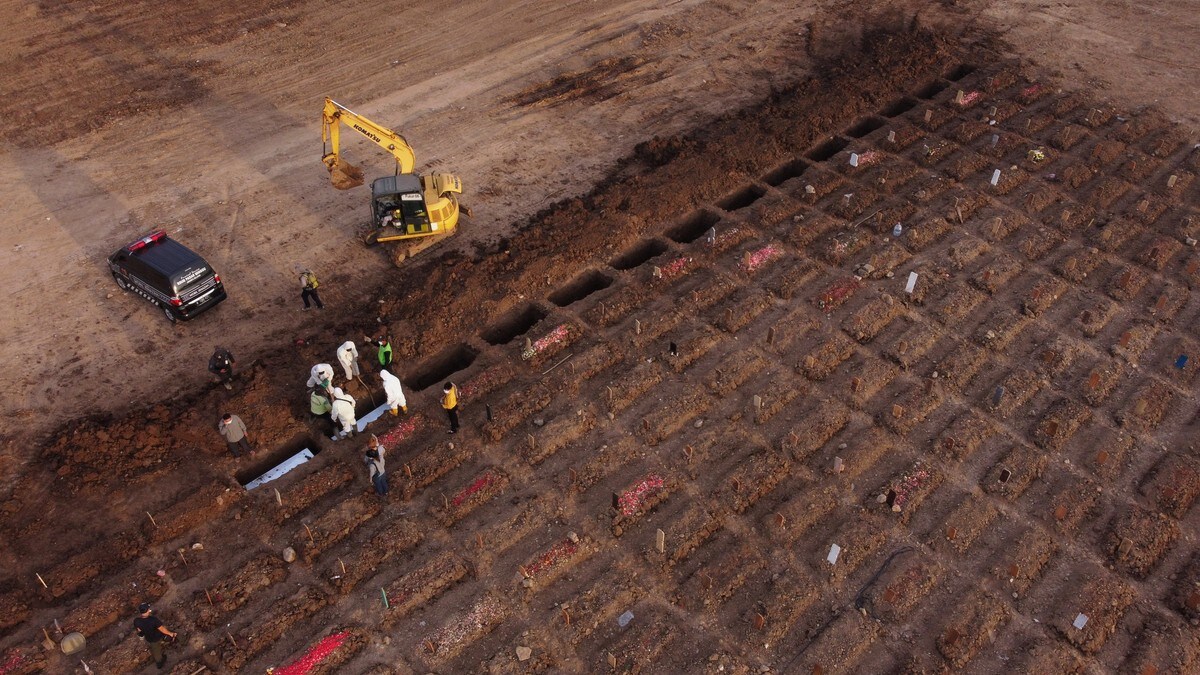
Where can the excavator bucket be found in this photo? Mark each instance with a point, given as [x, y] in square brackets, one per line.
[343, 174]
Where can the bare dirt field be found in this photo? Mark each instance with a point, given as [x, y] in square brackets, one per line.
[695, 385]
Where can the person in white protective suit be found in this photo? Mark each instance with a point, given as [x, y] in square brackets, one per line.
[321, 375]
[347, 355]
[395, 393]
[343, 413]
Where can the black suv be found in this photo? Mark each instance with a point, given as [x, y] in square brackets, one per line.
[168, 274]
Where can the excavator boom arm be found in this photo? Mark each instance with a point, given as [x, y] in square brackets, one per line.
[390, 141]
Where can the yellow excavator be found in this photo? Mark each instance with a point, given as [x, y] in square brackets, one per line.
[403, 206]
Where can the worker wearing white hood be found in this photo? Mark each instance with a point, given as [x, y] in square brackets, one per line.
[320, 375]
[343, 413]
[347, 355]
[395, 393]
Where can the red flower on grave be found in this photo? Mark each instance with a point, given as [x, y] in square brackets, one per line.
[14, 660]
[552, 338]
[675, 268]
[970, 98]
[632, 500]
[480, 483]
[909, 483]
[760, 257]
[556, 554]
[393, 436]
[837, 294]
[869, 157]
[478, 384]
[305, 664]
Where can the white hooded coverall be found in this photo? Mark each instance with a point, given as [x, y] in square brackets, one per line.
[343, 412]
[395, 393]
[347, 355]
[319, 374]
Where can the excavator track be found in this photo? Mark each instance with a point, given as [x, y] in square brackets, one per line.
[402, 250]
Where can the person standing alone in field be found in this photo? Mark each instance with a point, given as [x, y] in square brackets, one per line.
[308, 289]
[450, 404]
[152, 630]
[234, 431]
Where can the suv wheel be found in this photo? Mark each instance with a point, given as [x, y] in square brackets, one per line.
[170, 315]
[120, 282]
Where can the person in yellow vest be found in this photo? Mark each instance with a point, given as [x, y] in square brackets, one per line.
[308, 289]
[450, 404]
[320, 405]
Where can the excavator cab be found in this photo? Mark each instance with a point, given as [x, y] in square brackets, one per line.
[398, 208]
[413, 214]
[398, 203]
[403, 206]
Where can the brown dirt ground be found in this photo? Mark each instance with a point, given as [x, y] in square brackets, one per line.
[201, 130]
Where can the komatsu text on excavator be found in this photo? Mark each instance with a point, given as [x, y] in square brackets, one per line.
[403, 206]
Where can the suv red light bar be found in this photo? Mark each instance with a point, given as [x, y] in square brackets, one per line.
[175, 302]
[153, 237]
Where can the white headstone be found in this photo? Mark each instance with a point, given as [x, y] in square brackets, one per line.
[854, 159]
[1080, 621]
[834, 552]
[912, 283]
[995, 177]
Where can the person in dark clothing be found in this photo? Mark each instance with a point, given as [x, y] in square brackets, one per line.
[152, 630]
[220, 364]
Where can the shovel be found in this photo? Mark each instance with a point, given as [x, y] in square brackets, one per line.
[364, 384]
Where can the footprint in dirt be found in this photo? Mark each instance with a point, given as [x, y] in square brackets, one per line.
[145, 347]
